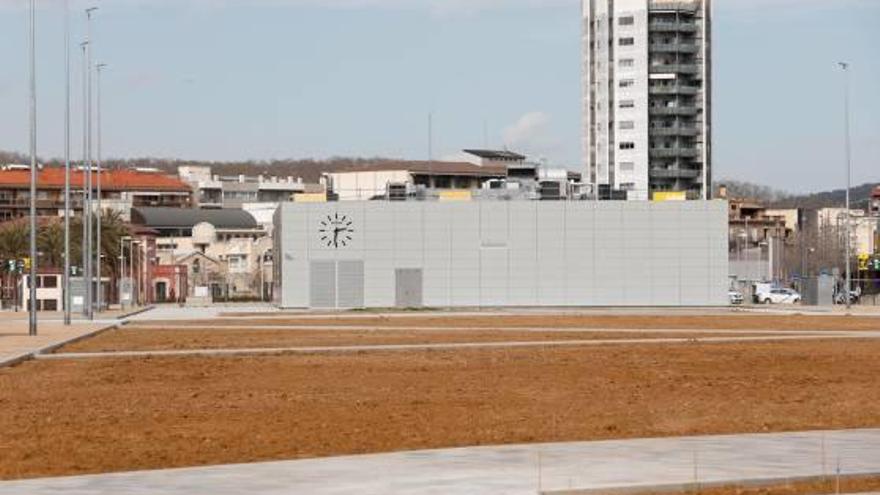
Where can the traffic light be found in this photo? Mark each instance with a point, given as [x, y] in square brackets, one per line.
[877, 264]
[26, 263]
[864, 261]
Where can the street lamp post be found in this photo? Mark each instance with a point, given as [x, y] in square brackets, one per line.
[90, 298]
[32, 279]
[67, 297]
[100, 299]
[86, 205]
[845, 67]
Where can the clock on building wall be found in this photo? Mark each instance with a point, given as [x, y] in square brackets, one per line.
[336, 231]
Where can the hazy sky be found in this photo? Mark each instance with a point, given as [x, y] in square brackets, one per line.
[261, 79]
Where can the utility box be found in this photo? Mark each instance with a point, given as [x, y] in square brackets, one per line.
[77, 294]
[819, 291]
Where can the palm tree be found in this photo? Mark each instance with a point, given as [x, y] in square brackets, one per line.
[50, 243]
[14, 240]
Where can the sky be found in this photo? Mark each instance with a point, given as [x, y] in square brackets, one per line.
[265, 79]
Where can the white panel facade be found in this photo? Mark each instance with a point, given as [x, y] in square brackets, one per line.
[495, 254]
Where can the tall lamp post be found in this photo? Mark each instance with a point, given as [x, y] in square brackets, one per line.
[67, 297]
[32, 278]
[99, 296]
[86, 205]
[90, 296]
[848, 228]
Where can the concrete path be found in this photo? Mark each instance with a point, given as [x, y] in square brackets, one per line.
[222, 324]
[272, 351]
[232, 311]
[511, 470]
[16, 345]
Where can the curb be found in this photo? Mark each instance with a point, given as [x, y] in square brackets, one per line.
[31, 355]
[676, 488]
[135, 313]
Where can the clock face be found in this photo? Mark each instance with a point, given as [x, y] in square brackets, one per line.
[336, 231]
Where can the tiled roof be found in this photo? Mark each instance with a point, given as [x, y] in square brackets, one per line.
[111, 180]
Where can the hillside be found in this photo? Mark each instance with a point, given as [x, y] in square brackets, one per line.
[860, 195]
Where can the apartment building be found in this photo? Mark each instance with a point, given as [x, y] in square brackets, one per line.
[875, 202]
[222, 253]
[217, 191]
[121, 190]
[647, 103]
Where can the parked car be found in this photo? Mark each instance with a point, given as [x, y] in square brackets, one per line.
[854, 297]
[778, 296]
[736, 298]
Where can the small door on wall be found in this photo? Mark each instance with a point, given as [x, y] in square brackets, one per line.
[322, 286]
[350, 284]
[336, 284]
[409, 288]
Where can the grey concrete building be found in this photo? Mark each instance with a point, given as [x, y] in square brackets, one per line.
[500, 253]
[647, 98]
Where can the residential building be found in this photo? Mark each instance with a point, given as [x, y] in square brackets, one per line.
[494, 158]
[875, 202]
[489, 174]
[756, 240]
[224, 254]
[754, 224]
[121, 190]
[217, 191]
[371, 182]
[50, 291]
[647, 98]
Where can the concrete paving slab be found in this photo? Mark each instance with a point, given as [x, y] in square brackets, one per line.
[509, 470]
[343, 349]
[16, 345]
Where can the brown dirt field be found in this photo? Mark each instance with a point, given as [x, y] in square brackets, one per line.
[74, 417]
[608, 322]
[153, 339]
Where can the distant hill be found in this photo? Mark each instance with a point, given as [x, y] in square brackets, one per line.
[860, 196]
[309, 170]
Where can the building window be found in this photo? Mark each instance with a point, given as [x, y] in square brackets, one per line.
[627, 62]
[627, 83]
[627, 125]
[627, 146]
[627, 41]
[50, 282]
[627, 21]
[627, 166]
[627, 104]
[237, 263]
